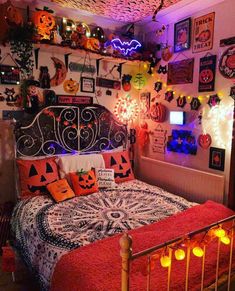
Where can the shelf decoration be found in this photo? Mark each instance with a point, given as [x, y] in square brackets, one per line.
[126, 109]
[204, 140]
[207, 72]
[159, 140]
[195, 103]
[217, 158]
[92, 44]
[158, 112]
[71, 86]
[139, 81]
[181, 101]
[60, 72]
[226, 63]
[145, 105]
[180, 72]
[169, 95]
[126, 82]
[126, 47]
[182, 141]
[213, 100]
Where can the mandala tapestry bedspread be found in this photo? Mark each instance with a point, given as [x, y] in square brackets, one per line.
[45, 230]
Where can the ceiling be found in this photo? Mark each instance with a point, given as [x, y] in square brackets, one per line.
[120, 10]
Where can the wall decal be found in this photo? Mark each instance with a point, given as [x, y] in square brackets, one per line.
[44, 77]
[169, 96]
[74, 100]
[180, 72]
[76, 67]
[60, 72]
[108, 92]
[181, 101]
[126, 85]
[158, 112]
[182, 35]
[232, 92]
[139, 81]
[217, 158]
[227, 41]
[203, 33]
[159, 140]
[182, 141]
[87, 85]
[107, 83]
[207, 72]
[158, 86]
[213, 100]
[9, 75]
[195, 103]
[204, 140]
[162, 69]
[145, 105]
[2, 98]
[226, 63]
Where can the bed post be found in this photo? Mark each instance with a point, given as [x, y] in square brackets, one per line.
[126, 253]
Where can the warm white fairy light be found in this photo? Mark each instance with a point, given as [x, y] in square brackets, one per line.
[126, 109]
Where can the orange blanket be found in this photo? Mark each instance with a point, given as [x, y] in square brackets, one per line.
[97, 267]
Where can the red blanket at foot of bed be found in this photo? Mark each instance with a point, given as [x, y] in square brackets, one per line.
[97, 267]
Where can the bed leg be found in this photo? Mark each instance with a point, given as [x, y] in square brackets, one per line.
[126, 253]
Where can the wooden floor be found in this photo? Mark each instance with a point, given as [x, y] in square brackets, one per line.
[23, 280]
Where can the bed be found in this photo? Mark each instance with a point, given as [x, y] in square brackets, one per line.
[53, 237]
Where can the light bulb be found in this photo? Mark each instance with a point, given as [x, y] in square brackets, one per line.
[225, 240]
[219, 232]
[198, 251]
[165, 261]
[179, 254]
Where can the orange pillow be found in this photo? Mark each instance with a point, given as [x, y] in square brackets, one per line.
[60, 190]
[120, 162]
[84, 182]
[35, 175]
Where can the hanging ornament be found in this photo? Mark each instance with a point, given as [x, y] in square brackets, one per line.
[126, 109]
[158, 86]
[139, 81]
[213, 100]
[181, 101]
[126, 85]
[162, 69]
[195, 103]
[169, 96]
[204, 140]
[98, 33]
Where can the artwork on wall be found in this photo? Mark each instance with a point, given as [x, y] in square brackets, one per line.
[217, 157]
[159, 140]
[180, 72]
[207, 71]
[203, 33]
[226, 63]
[145, 105]
[108, 83]
[182, 141]
[158, 112]
[60, 72]
[169, 95]
[158, 86]
[71, 86]
[9, 75]
[182, 35]
[74, 100]
[87, 85]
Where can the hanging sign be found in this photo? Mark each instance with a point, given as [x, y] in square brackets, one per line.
[107, 83]
[203, 33]
[9, 75]
[180, 72]
[207, 71]
[74, 100]
[76, 67]
[159, 140]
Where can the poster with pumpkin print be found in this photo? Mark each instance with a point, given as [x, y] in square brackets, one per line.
[207, 71]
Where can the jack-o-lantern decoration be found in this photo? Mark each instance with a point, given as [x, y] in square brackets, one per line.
[120, 162]
[60, 190]
[126, 85]
[35, 175]
[204, 140]
[92, 44]
[84, 182]
[71, 86]
[206, 76]
[44, 22]
[158, 112]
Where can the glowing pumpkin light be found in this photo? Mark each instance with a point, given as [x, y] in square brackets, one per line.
[179, 254]
[225, 240]
[44, 22]
[198, 251]
[165, 261]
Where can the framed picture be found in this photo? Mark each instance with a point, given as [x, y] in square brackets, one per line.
[207, 70]
[87, 85]
[182, 35]
[203, 33]
[180, 72]
[145, 105]
[217, 157]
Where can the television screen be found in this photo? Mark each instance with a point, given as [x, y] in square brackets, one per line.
[177, 117]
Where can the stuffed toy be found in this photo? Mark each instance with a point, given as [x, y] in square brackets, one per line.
[44, 77]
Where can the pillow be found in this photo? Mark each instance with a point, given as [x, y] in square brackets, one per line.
[84, 182]
[60, 190]
[76, 163]
[35, 175]
[120, 162]
[105, 177]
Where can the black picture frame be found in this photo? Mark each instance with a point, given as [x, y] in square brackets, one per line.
[217, 158]
[87, 85]
[182, 35]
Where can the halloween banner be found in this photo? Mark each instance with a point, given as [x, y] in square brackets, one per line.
[203, 33]
[207, 71]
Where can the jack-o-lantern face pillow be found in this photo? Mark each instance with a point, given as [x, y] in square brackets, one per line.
[120, 162]
[60, 190]
[35, 175]
[84, 182]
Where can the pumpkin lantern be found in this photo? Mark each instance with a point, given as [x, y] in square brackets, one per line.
[126, 85]
[158, 112]
[84, 182]
[204, 140]
[71, 86]
[44, 23]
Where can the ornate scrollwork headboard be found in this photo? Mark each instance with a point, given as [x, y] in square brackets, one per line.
[59, 130]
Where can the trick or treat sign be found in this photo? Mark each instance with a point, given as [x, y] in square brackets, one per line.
[203, 33]
[207, 74]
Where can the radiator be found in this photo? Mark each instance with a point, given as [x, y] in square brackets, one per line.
[194, 185]
[5, 217]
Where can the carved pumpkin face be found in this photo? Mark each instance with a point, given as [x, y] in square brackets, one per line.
[206, 76]
[44, 22]
[158, 112]
[71, 86]
[204, 140]
[60, 190]
[84, 183]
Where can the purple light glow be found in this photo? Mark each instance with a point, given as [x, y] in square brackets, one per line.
[125, 47]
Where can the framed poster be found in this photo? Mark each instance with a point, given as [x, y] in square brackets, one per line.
[74, 100]
[207, 71]
[87, 85]
[9, 75]
[182, 35]
[145, 105]
[203, 33]
[217, 157]
[180, 72]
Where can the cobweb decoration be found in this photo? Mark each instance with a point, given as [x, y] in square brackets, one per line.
[126, 109]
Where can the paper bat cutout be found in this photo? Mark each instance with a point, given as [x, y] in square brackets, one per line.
[125, 47]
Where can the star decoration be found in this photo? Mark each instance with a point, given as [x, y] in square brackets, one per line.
[181, 101]
[195, 103]
[158, 86]
[169, 96]
[213, 100]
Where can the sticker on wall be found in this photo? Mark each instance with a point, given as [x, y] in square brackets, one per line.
[204, 140]
[107, 83]
[158, 86]
[227, 63]
[182, 141]
[207, 71]
[182, 35]
[9, 75]
[72, 100]
[180, 72]
[145, 105]
[169, 96]
[213, 100]
[203, 32]
[195, 103]
[232, 92]
[181, 101]
[159, 140]
[217, 158]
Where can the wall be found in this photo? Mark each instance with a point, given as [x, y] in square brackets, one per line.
[211, 122]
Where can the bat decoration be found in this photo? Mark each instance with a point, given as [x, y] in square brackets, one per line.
[125, 47]
[157, 10]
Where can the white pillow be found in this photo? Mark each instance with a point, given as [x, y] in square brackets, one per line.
[105, 177]
[75, 163]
